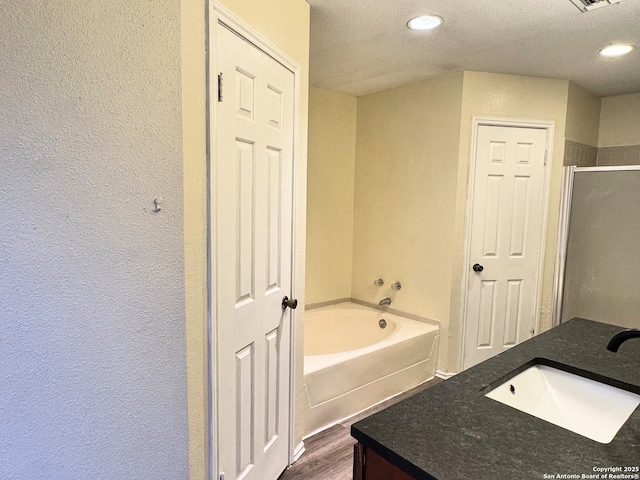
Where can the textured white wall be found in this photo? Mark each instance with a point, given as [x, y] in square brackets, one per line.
[92, 322]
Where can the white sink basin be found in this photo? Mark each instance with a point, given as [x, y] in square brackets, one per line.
[587, 407]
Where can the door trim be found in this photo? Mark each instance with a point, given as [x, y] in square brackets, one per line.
[218, 16]
[476, 122]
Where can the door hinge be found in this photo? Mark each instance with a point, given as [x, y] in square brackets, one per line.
[546, 156]
[220, 97]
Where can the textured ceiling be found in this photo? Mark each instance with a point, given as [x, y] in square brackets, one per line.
[362, 46]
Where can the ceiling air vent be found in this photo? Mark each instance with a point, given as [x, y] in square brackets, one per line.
[588, 5]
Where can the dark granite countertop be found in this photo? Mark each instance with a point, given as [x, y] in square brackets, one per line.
[451, 431]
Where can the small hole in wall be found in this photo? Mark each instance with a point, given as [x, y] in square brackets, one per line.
[512, 389]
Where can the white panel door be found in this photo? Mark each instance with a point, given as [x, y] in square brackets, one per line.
[253, 193]
[505, 240]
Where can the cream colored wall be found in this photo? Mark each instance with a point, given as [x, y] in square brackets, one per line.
[405, 184]
[507, 96]
[330, 184]
[583, 116]
[620, 121]
[286, 24]
[194, 133]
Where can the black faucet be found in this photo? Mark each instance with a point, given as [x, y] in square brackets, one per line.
[621, 337]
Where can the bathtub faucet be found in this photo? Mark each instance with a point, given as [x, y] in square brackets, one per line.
[384, 302]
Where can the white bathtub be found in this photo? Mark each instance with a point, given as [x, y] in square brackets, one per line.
[351, 363]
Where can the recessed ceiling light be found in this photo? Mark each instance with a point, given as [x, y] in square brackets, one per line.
[424, 22]
[616, 50]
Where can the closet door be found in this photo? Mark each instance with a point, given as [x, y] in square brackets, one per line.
[252, 227]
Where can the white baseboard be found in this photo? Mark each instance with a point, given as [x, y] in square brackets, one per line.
[444, 375]
[298, 451]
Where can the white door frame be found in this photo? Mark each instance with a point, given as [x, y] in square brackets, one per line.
[477, 122]
[218, 14]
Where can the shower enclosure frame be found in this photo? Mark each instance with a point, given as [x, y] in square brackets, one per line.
[568, 175]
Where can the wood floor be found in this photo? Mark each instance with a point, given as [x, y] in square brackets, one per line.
[329, 454]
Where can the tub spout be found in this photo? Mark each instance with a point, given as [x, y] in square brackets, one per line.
[384, 302]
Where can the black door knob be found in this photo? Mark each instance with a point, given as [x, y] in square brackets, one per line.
[289, 302]
[478, 268]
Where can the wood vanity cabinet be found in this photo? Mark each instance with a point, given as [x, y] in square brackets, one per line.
[368, 465]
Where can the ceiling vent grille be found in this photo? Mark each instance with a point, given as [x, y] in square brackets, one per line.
[588, 5]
